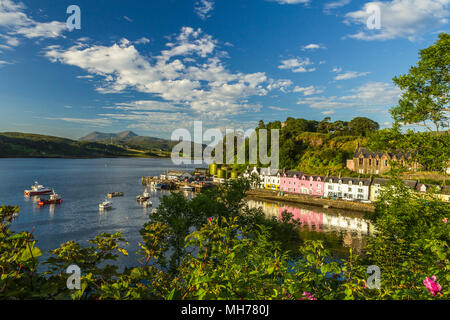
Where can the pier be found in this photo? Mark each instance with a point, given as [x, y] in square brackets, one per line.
[176, 185]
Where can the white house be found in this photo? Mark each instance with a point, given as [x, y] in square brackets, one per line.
[270, 178]
[347, 188]
[252, 172]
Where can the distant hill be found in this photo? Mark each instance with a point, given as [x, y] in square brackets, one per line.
[16, 144]
[130, 140]
[100, 136]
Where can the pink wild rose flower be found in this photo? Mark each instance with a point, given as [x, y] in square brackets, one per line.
[433, 287]
[445, 220]
[308, 296]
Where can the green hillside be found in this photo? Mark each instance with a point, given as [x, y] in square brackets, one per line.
[15, 144]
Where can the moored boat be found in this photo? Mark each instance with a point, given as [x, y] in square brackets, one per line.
[105, 205]
[37, 190]
[54, 199]
[186, 188]
[115, 194]
[147, 203]
[144, 197]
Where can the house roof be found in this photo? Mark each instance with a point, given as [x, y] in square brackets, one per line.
[270, 171]
[291, 173]
[355, 181]
[366, 153]
[380, 181]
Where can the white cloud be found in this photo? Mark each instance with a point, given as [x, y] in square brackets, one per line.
[349, 75]
[202, 85]
[203, 8]
[15, 22]
[278, 108]
[146, 105]
[296, 65]
[401, 19]
[328, 113]
[335, 4]
[128, 19]
[308, 91]
[100, 122]
[336, 69]
[313, 46]
[52, 29]
[142, 40]
[371, 94]
[282, 84]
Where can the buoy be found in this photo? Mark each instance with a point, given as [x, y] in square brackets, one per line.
[127, 218]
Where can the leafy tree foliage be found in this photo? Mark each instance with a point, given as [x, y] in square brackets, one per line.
[426, 87]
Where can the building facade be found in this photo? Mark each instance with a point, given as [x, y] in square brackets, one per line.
[367, 162]
[347, 188]
[270, 178]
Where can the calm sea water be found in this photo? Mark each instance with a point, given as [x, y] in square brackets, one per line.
[84, 183]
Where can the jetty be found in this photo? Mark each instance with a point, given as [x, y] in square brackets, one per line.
[115, 194]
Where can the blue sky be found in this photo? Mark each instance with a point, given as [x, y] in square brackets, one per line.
[156, 66]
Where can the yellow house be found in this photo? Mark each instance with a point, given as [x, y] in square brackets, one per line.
[441, 192]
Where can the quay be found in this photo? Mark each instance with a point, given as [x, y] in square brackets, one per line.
[197, 186]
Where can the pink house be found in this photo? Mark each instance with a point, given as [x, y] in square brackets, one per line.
[312, 185]
[297, 182]
[289, 181]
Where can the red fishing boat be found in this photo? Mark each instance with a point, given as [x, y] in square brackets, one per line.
[54, 199]
[37, 190]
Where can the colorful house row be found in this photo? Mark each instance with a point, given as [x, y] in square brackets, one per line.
[360, 189]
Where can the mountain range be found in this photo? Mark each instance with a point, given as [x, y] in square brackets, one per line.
[130, 140]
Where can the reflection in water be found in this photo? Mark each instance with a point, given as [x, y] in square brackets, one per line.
[339, 229]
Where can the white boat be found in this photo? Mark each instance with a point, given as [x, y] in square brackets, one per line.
[144, 197]
[105, 205]
[186, 188]
[147, 203]
[155, 211]
[37, 189]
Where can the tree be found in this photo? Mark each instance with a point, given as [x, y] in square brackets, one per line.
[425, 88]
[362, 126]
[324, 125]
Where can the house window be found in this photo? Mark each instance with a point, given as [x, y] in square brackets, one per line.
[349, 189]
[370, 162]
[377, 162]
[330, 187]
[361, 161]
[360, 190]
[385, 162]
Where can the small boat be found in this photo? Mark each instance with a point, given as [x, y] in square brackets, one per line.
[115, 194]
[37, 190]
[105, 205]
[186, 188]
[155, 211]
[144, 197]
[147, 203]
[54, 199]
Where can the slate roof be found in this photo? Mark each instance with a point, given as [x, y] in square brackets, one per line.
[367, 153]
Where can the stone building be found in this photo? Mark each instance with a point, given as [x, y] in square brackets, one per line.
[367, 162]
